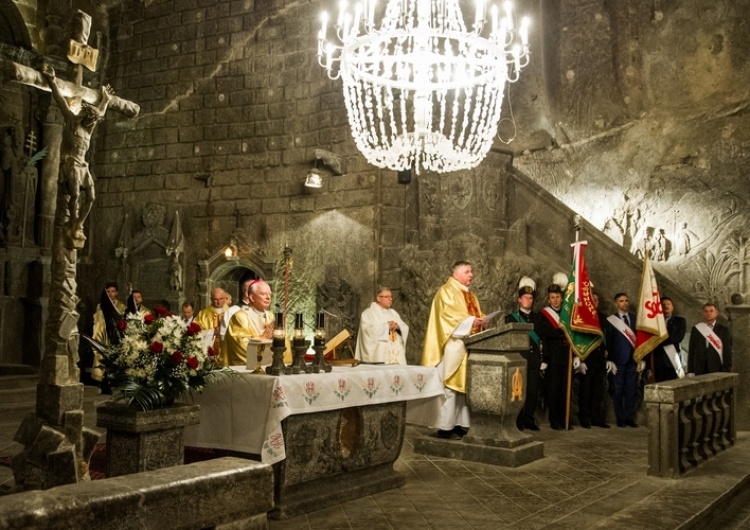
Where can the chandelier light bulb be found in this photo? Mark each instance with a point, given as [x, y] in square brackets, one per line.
[421, 90]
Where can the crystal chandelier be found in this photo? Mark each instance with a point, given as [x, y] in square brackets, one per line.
[421, 91]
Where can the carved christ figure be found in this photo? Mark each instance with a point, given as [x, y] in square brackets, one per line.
[74, 170]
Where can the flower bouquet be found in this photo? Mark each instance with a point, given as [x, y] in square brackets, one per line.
[158, 358]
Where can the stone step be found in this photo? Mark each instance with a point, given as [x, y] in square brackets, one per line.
[8, 382]
[17, 369]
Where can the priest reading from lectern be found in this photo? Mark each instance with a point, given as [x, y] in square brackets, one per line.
[250, 322]
[382, 334]
[454, 314]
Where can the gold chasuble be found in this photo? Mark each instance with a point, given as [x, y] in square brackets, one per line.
[453, 303]
[242, 327]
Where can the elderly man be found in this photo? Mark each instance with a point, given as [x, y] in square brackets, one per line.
[382, 334]
[252, 321]
[210, 318]
[454, 314]
[710, 344]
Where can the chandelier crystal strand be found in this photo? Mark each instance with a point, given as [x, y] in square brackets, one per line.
[422, 91]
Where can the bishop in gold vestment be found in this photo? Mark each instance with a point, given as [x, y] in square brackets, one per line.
[251, 321]
[454, 314]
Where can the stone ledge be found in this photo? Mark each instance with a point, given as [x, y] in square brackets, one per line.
[464, 450]
[200, 495]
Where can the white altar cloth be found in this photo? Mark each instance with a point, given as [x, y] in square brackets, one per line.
[244, 414]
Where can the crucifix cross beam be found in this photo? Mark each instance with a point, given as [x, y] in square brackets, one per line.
[28, 76]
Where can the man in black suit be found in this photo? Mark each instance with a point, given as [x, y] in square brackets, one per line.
[533, 356]
[710, 344]
[620, 336]
[666, 354]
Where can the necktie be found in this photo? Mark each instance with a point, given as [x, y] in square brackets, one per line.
[625, 319]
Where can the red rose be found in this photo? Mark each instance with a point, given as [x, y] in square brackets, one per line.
[193, 329]
[160, 310]
[176, 358]
[121, 325]
[211, 351]
[148, 319]
[192, 363]
[156, 347]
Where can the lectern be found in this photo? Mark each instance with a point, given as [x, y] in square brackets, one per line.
[495, 392]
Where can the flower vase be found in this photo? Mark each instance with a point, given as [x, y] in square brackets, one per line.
[144, 440]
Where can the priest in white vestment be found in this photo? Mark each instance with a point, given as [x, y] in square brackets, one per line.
[382, 334]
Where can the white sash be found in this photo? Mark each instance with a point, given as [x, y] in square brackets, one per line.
[674, 357]
[712, 338]
[552, 316]
[622, 328]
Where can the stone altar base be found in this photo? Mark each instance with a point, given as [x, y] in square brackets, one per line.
[139, 441]
[477, 452]
[338, 455]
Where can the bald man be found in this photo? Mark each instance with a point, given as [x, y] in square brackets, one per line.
[210, 318]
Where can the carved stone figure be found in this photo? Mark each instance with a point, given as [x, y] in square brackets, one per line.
[80, 119]
[684, 239]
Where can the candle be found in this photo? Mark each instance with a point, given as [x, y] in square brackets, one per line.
[298, 322]
[279, 320]
[321, 321]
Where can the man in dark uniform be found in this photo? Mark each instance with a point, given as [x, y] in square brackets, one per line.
[533, 356]
[663, 355]
[591, 383]
[620, 336]
[710, 344]
[555, 356]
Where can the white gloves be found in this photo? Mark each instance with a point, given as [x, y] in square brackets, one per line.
[576, 363]
[582, 368]
[641, 366]
[611, 368]
[543, 367]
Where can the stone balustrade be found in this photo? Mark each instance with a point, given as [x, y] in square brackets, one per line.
[690, 420]
[220, 493]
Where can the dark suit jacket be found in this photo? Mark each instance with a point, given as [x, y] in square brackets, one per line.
[704, 359]
[533, 356]
[665, 371]
[554, 344]
[620, 349]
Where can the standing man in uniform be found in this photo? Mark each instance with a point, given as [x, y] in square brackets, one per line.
[591, 382]
[533, 356]
[454, 314]
[710, 344]
[621, 344]
[555, 358]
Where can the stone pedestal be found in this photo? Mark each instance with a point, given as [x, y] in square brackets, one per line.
[140, 440]
[740, 323]
[496, 392]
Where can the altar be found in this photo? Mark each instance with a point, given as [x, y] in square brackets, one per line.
[330, 436]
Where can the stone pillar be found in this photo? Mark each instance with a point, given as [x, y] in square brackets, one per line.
[740, 325]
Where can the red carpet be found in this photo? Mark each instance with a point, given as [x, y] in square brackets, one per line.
[98, 463]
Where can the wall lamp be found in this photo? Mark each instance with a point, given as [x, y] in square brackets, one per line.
[335, 163]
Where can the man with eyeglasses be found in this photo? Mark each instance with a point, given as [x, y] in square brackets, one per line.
[382, 333]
